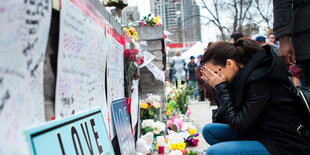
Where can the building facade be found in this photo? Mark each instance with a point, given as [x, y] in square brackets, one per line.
[180, 17]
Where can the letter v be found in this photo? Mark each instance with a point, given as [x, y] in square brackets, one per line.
[88, 141]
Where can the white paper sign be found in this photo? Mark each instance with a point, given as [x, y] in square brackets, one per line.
[158, 74]
[81, 63]
[134, 103]
[115, 77]
[24, 31]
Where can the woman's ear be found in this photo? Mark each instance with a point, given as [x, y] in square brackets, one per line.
[230, 64]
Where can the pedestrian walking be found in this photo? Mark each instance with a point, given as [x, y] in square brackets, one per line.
[178, 65]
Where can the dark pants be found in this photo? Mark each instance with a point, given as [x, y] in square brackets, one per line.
[305, 67]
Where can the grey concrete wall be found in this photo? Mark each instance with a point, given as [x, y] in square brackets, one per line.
[154, 37]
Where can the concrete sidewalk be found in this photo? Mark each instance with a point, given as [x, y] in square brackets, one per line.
[201, 115]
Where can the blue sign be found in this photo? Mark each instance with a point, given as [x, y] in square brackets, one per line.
[123, 127]
[79, 134]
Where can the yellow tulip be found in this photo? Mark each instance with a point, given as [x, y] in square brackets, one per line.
[156, 19]
[144, 105]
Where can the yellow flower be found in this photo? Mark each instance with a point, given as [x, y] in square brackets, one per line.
[143, 105]
[182, 146]
[156, 19]
[156, 147]
[192, 131]
[132, 30]
[127, 31]
[135, 34]
[169, 111]
[135, 38]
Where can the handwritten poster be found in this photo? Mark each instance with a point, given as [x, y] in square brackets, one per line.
[115, 74]
[81, 62]
[24, 32]
[123, 128]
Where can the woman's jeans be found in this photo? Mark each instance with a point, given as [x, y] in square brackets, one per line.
[224, 141]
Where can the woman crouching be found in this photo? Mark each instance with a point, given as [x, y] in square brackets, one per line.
[257, 113]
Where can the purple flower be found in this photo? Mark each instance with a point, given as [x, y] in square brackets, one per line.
[196, 135]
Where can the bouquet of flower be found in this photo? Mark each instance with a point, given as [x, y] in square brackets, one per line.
[116, 3]
[149, 125]
[191, 140]
[132, 61]
[176, 141]
[181, 97]
[149, 109]
[131, 32]
[151, 21]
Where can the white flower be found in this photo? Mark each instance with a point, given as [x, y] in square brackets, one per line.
[125, 1]
[156, 105]
[176, 152]
[174, 138]
[158, 127]
[184, 134]
[147, 123]
[188, 125]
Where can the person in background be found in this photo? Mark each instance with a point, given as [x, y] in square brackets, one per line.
[292, 28]
[261, 40]
[192, 82]
[272, 42]
[178, 64]
[235, 36]
[199, 59]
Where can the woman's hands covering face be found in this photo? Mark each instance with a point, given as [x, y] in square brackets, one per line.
[211, 78]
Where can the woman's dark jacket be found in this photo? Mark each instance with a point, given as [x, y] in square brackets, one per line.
[257, 105]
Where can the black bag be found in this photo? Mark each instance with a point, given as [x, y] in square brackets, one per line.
[302, 94]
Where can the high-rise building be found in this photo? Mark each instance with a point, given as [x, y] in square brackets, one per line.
[180, 17]
[130, 14]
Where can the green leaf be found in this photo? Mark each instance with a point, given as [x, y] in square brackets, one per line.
[175, 128]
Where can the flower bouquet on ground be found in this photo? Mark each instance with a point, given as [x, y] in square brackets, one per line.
[149, 109]
[178, 98]
[149, 125]
[132, 61]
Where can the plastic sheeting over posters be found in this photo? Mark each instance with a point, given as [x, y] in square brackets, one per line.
[24, 32]
[115, 75]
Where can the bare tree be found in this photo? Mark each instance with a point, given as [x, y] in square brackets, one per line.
[265, 10]
[240, 10]
[215, 18]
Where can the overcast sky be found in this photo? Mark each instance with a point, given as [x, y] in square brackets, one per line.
[208, 33]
